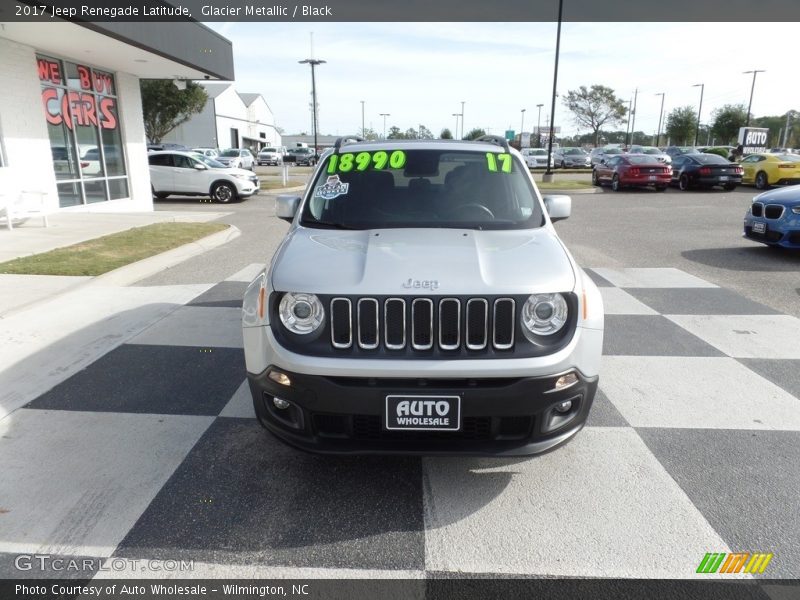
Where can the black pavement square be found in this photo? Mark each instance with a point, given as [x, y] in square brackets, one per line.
[243, 497]
[698, 301]
[604, 413]
[651, 335]
[226, 293]
[170, 380]
[743, 482]
[598, 280]
[785, 373]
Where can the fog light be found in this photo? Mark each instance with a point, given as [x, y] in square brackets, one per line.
[279, 377]
[564, 407]
[282, 404]
[565, 381]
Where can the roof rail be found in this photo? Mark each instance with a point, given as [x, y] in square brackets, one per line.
[494, 139]
[347, 138]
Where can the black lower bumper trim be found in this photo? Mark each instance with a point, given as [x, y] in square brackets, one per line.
[345, 415]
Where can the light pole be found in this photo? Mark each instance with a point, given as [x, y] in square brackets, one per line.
[539, 125]
[384, 115]
[462, 119]
[548, 176]
[313, 62]
[633, 116]
[628, 122]
[455, 133]
[363, 128]
[521, 127]
[660, 116]
[752, 87]
[702, 87]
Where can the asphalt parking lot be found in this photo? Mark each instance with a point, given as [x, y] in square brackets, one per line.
[692, 445]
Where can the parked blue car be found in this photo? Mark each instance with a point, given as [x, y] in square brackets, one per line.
[774, 218]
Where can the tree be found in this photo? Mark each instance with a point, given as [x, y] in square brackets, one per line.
[395, 134]
[474, 134]
[726, 122]
[595, 107]
[369, 134]
[446, 134]
[425, 133]
[165, 107]
[777, 126]
[681, 125]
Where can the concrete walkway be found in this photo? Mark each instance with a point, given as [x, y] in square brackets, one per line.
[66, 229]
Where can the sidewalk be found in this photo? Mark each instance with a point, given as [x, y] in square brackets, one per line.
[66, 229]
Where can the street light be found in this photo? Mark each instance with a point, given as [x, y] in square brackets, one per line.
[548, 173]
[539, 124]
[313, 62]
[462, 119]
[660, 116]
[702, 87]
[363, 129]
[384, 115]
[752, 87]
[456, 115]
[521, 127]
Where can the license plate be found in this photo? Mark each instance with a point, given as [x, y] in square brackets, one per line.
[723, 178]
[759, 227]
[653, 177]
[423, 413]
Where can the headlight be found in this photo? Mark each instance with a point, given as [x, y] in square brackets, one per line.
[241, 176]
[301, 313]
[796, 209]
[545, 314]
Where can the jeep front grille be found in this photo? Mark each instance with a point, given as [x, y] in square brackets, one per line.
[423, 324]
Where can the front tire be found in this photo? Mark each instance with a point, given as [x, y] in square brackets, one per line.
[595, 180]
[563, 165]
[762, 182]
[683, 183]
[616, 184]
[223, 193]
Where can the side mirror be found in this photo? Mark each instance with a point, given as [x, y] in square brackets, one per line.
[558, 207]
[286, 206]
[602, 161]
[200, 166]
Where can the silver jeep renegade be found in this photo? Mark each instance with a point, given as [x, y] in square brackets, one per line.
[422, 303]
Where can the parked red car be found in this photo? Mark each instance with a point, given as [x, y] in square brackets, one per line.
[632, 170]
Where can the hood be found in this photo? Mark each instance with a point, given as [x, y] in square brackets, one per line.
[226, 159]
[788, 195]
[406, 261]
[238, 171]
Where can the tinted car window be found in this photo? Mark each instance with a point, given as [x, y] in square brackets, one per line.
[642, 160]
[710, 159]
[160, 160]
[182, 162]
[434, 188]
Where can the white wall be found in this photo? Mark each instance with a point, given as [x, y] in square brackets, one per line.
[22, 123]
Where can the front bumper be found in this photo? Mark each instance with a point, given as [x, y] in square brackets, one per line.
[776, 233]
[345, 415]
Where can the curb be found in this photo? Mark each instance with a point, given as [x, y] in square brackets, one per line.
[298, 188]
[570, 192]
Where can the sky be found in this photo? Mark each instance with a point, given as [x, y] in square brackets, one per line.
[420, 73]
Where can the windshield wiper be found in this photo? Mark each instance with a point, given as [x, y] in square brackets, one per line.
[329, 224]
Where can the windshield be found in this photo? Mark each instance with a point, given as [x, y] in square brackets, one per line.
[650, 151]
[789, 157]
[537, 152]
[209, 162]
[574, 151]
[422, 188]
[230, 152]
[710, 159]
[269, 150]
[612, 151]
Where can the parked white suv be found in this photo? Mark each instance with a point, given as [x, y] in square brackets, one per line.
[237, 157]
[190, 174]
[422, 302]
[271, 156]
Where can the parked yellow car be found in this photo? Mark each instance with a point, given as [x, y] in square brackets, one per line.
[764, 170]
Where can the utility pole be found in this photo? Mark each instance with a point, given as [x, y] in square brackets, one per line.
[521, 127]
[628, 123]
[313, 62]
[455, 133]
[752, 88]
[789, 117]
[702, 87]
[384, 115]
[548, 176]
[633, 122]
[462, 118]
[660, 117]
[363, 128]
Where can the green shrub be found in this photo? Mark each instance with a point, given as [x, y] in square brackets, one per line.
[723, 152]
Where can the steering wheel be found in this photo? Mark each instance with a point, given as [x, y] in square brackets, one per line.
[476, 209]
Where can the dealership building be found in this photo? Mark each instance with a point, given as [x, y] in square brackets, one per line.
[71, 122]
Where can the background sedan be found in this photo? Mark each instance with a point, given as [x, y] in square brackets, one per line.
[631, 170]
[572, 157]
[705, 170]
[536, 158]
[651, 151]
[764, 170]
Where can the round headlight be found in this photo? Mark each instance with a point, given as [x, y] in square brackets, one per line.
[301, 313]
[545, 314]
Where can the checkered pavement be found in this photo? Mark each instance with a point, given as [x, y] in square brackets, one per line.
[153, 451]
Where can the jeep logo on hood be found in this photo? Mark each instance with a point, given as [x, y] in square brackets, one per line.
[426, 284]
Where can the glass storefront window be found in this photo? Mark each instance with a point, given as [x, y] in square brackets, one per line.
[80, 106]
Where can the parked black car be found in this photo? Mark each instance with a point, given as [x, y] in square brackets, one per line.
[301, 156]
[705, 170]
[674, 151]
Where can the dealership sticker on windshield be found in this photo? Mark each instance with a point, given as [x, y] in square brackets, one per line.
[332, 188]
[344, 163]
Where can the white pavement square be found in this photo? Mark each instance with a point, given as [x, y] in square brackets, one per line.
[746, 336]
[82, 479]
[695, 392]
[662, 277]
[200, 326]
[241, 405]
[619, 302]
[248, 273]
[565, 513]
